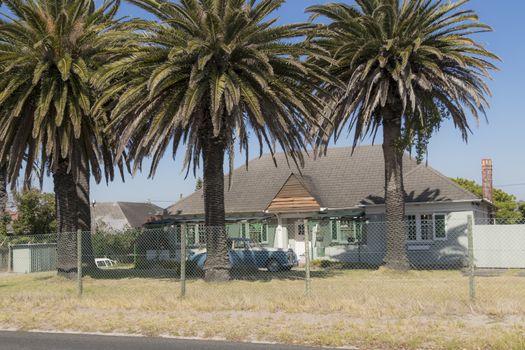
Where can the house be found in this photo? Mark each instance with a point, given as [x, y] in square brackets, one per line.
[120, 216]
[341, 197]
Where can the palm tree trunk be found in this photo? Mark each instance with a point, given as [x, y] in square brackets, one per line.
[396, 252]
[3, 200]
[84, 216]
[67, 220]
[217, 267]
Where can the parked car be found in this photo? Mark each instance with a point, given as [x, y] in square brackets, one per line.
[246, 254]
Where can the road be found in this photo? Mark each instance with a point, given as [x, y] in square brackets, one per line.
[51, 341]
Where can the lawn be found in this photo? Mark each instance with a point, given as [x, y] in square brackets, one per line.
[361, 308]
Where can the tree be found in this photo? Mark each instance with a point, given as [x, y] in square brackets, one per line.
[406, 67]
[198, 184]
[49, 50]
[36, 213]
[508, 209]
[204, 76]
[4, 217]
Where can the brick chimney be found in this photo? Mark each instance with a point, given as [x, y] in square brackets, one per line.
[486, 176]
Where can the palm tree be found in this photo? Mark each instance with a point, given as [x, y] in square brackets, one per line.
[407, 66]
[205, 76]
[48, 52]
[3, 200]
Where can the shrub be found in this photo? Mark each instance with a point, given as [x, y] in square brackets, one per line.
[118, 246]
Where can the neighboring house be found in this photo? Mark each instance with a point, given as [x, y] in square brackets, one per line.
[119, 216]
[341, 196]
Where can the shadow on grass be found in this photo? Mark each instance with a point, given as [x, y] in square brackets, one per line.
[116, 274]
[238, 275]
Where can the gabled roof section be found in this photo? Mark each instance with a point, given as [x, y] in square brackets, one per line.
[122, 215]
[294, 197]
[138, 214]
[339, 180]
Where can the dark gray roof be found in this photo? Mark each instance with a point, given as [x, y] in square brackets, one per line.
[120, 214]
[340, 180]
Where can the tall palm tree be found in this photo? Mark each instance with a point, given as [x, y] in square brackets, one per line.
[3, 200]
[48, 52]
[209, 73]
[407, 66]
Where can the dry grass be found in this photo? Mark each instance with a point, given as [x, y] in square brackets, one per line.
[367, 309]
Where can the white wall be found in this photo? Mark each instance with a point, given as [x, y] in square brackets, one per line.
[499, 246]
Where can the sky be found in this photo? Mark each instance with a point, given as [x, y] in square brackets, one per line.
[502, 138]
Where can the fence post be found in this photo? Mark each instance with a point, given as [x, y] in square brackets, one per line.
[135, 253]
[307, 258]
[471, 263]
[183, 261]
[79, 263]
[9, 258]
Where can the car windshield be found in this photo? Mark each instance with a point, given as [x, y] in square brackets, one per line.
[238, 244]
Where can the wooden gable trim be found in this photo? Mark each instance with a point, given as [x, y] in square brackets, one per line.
[294, 197]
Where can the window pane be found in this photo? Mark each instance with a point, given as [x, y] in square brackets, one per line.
[333, 225]
[441, 227]
[202, 234]
[348, 232]
[411, 227]
[257, 233]
[300, 230]
[361, 232]
[427, 227]
[191, 234]
[264, 234]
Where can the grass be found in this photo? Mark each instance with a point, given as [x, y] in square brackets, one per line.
[362, 308]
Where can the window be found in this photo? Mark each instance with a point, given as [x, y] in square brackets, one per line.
[348, 232]
[259, 232]
[440, 222]
[411, 227]
[243, 232]
[300, 230]
[202, 233]
[333, 227]
[191, 234]
[426, 227]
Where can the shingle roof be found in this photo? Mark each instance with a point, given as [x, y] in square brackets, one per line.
[121, 214]
[340, 180]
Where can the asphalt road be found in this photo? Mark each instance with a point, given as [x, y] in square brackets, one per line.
[41, 341]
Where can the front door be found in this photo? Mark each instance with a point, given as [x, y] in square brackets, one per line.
[299, 247]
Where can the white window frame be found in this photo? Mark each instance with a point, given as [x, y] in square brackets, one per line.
[419, 231]
[446, 227]
[340, 240]
[247, 233]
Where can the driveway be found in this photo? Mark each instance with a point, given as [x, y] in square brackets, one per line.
[41, 341]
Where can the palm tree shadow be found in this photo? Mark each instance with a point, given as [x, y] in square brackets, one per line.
[117, 274]
[238, 275]
[292, 275]
[427, 195]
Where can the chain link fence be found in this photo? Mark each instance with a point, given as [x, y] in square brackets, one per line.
[323, 264]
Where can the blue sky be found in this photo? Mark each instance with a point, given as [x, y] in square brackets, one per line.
[502, 139]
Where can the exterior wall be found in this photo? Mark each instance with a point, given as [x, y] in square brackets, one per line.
[437, 253]
[446, 252]
[499, 246]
